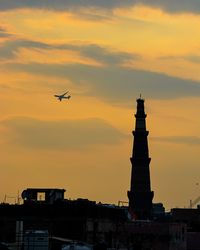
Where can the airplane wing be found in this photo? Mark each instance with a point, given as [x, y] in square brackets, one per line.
[65, 93]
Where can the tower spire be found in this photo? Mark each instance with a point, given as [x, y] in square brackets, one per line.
[140, 194]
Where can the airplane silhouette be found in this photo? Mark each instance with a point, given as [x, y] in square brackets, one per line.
[60, 97]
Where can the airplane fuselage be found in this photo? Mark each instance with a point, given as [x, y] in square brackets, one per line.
[60, 97]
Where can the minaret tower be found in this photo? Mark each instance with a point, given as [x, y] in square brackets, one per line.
[140, 194]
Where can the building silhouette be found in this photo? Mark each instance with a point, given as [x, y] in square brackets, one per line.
[140, 194]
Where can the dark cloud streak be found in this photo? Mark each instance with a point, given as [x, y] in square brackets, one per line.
[72, 5]
[4, 33]
[101, 54]
[63, 135]
[93, 51]
[189, 140]
[61, 5]
[9, 48]
[116, 84]
[112, 81]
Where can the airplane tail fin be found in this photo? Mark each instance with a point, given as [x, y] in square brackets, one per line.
[69, 96]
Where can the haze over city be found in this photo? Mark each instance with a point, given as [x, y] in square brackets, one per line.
[106, 53]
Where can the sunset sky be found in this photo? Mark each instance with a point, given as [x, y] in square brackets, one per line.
[105, 52]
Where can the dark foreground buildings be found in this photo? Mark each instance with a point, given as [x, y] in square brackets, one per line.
[140, 226]
[101, 226]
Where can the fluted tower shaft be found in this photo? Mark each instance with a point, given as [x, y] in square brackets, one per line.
[140, 194]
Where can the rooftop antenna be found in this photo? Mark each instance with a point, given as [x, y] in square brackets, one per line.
[140, 96]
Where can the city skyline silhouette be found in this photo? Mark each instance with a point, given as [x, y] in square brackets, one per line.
[105, 54]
